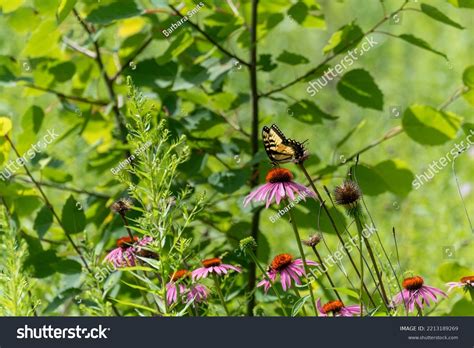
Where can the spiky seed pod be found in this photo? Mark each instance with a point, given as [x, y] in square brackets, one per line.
[313, 240]
[348, 195]
[122, 206]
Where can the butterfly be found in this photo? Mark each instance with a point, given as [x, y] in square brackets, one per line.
[279, 148]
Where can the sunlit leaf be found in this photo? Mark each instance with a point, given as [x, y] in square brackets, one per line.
[359, 87]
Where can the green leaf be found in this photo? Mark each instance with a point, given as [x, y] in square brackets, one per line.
[228, 181]
[43, 221]
[179, 45]
[359, 87]
[452, 271]
[468, 76]
[462, 308]
[429, 126]
[116, 10]
[48, 32]
[68, 267]
[292, 58]
[462, 3]
[436, 14]
[63, 71]
[307, 14]
[346, 291]
[370, 181]
[8, 6]
[135, 305]
[469, 97]
[265, 62]
[31, 122]
[397, 176]
[421, 43]
[5, 126]
[73, 218]
[65, 7]
[344, 39]
[298, 305]
[57, 175]
[308, 112]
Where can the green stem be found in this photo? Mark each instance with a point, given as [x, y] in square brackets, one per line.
[219, 293]
[326, 273]
[334, 226]
[361, 290]
[303, 258]
[274, 288]
[374, 262]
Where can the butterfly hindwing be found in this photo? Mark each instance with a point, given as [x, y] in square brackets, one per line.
[279, 148]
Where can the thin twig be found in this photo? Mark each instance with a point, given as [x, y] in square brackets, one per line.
[210, 39]
[50, 207]
[145, 44]
[331, 57]
[70, 97]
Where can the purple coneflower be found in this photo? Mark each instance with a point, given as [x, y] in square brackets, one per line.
[280, 185]
[177, 286]
[197, 292]
[125, 254]
[288, 269]
[415, 292]
[337, 309]
[466, 283]
[213, 265]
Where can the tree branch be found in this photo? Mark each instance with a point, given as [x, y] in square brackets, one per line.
[210, 39]
[331, 57]
[132, 58]
[70, 97]
[254, 142]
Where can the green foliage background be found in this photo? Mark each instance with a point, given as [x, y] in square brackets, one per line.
[50, 78]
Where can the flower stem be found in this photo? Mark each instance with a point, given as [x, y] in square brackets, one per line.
[361, 290]
[334, 226]
[219, 293]
[326, 273]
[374, 262]
[130, 234]
[303, 258]
[275, 290]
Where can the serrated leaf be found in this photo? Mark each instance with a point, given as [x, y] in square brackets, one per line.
[416, 41]
[43, 221]
[73, 218]
[298, 305]
[436, 14]
[65, 7]
[358, 86]
[429, 126]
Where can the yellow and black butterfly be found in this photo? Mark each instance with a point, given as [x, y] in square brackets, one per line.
[279, 148]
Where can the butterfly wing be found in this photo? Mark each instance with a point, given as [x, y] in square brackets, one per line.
[279, 149]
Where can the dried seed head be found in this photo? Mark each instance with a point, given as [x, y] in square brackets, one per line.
[347, 194]
[122, 206]
[313, 240]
